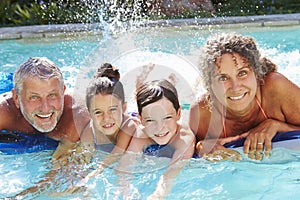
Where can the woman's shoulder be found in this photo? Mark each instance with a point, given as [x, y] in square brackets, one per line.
[276, 83]
[275, 78]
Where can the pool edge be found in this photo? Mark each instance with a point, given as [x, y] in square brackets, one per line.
[40, 31]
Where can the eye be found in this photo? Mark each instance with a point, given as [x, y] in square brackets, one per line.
[168, 117]
[113, 109]
[149, 121]
[98, 112]
[34, 98]
[222, 78]
[242, 73]
[52, 95]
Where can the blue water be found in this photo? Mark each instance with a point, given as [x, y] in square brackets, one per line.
[275, 178]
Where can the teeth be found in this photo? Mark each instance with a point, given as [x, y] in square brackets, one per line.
[108, 125]
[237, 97]
[161, 135]
[44, 116]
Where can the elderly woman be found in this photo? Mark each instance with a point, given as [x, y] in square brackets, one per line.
[246, 98]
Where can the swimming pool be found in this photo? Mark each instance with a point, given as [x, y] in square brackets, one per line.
[275, 178]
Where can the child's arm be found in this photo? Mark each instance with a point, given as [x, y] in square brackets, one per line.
[133, 152]
[184, 144]
[124, 137]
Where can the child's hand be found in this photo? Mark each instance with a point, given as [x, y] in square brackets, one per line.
[82, 154]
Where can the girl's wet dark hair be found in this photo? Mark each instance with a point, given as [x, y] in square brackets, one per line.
[153, 91]
[106, 81]
[107, 70]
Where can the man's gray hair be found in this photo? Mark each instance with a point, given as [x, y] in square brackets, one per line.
[39, 67]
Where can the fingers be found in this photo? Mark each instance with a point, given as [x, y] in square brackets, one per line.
[246, 147]
[223, 154]
[257, 148]
[268, 148]
[198, 148]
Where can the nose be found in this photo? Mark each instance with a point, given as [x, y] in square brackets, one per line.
[45, 105]
[106, 116]
[235, 84]
[160, 125]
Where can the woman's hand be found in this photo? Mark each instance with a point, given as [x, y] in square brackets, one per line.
[259, 139]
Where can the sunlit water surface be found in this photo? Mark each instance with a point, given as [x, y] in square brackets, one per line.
[172, 51]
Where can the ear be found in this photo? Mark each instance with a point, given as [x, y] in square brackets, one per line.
[16, 98]
[124, 107]
[179, 114]
[140, 118]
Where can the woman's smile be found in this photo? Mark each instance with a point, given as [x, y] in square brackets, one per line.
[237, 97]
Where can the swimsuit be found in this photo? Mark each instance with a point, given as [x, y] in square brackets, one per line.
[223, 118]
[107, 147]
[159, 150]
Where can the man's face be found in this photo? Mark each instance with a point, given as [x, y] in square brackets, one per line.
[41, 102]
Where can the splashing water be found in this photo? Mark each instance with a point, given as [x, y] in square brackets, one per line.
[130, 44]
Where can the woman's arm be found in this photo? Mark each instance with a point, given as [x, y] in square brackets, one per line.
[282, 104]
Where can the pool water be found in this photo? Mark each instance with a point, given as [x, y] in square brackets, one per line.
[172, 50]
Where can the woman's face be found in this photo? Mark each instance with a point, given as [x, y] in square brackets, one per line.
[234, 84]
[107, 113]
[160, 120]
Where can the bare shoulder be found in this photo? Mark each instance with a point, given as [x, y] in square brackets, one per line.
[6, 101]
[277, 82]
[280, 98]
[202, 105]
[73, 121]
[184, 143]
[199, 117]
[76, 104]
[73, 100]
[8, 111]
[185, 131]
[87, 135]
[279, 87]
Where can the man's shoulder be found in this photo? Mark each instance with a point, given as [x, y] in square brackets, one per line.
[74, 101]
[10, 115]
[6, 102]
[5, 96]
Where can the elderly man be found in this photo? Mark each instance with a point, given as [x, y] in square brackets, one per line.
[39, 104]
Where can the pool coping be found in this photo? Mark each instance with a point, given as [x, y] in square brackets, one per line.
[40, 31]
